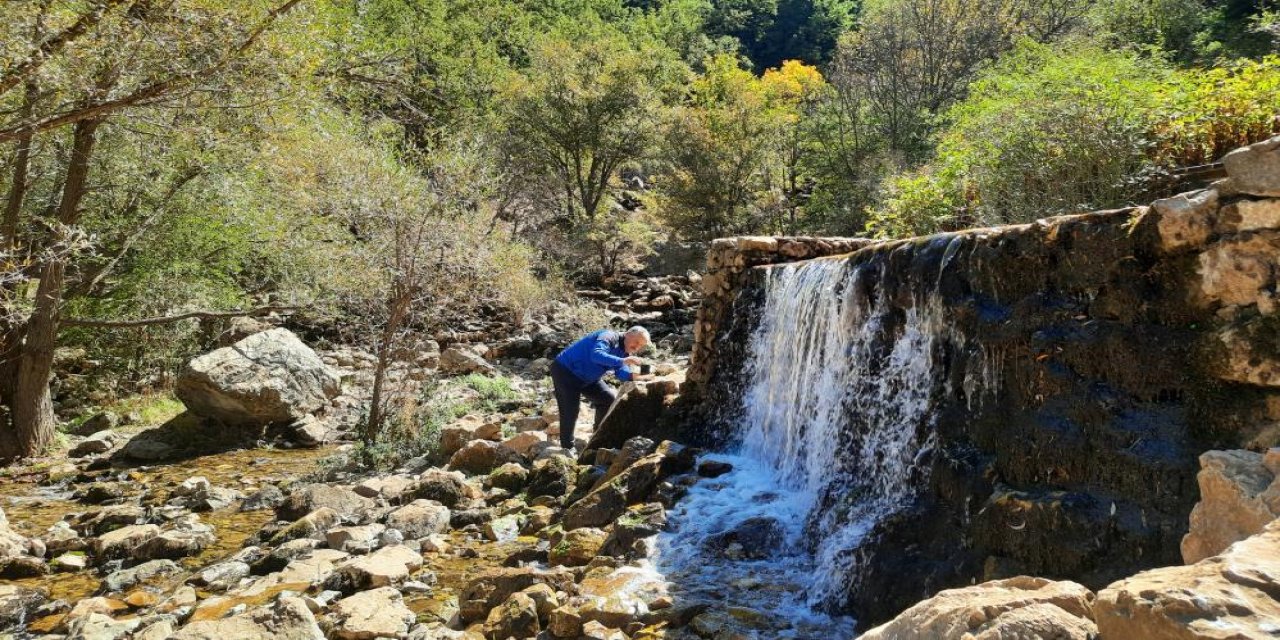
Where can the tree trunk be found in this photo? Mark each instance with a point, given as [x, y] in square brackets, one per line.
[18, 187]
[397, 309]
[31, 407]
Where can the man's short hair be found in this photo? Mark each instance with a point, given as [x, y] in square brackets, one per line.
[639, 330]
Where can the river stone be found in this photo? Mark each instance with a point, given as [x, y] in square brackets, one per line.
[639, 522]
[98, 626]
[287, 619]
[565, 622]
[420, 518]
[312, 569]
[312, 525]
[379, 613]
[122, 542]
[268, 497]
[494, 586]
[384, 567]
[753, 538]
[608, 501]
[220, 576]
[350, 539]
[311, 497]
[577, 548]
[1239, 496]
[265, 378]
[127, 578]
[1232, 595]
[552, 476]
[449, 488]
[482, 456]
[389, 487]
[527, 443]
[19, 567]
[99, 442]
[1020, 607]
[510, 476]
[503, 529]
[184, 541]
[517, 617]
[1255, 169]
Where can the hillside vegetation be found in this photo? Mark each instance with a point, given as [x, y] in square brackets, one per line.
[380, 168]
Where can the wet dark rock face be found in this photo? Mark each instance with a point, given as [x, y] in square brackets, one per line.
[1079, 387]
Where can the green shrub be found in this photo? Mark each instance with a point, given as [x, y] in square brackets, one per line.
[1060, 129]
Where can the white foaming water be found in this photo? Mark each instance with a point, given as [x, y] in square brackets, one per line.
[838, 393]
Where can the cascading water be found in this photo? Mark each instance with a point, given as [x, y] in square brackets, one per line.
[834, 417]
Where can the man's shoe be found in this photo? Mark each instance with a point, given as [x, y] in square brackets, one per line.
[572, 452]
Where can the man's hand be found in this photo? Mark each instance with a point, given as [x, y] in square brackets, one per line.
[631, 361]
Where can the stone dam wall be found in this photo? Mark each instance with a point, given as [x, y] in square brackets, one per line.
[1089, 360]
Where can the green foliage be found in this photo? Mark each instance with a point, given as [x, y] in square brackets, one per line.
[772, 31]
[490, 390]
[1053, 130]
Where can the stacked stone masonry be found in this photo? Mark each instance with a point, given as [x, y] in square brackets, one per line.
[1126, 343]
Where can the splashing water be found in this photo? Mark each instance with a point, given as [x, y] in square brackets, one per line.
[835, 417]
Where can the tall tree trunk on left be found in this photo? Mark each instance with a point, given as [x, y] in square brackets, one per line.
[31, 408]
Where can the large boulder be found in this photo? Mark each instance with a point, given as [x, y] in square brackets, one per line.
[265, 378]
[1239, 496]
[1232, 595]
[638, 411]
[1020, 607]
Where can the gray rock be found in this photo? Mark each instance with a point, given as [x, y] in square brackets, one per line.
[267, 377]
[268, 497]
[1255, 169]
[18, 603]
[378, 613]
[99, 442]
[145, 572]
[314, 496]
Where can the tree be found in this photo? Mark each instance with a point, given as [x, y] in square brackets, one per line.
[128, 56]
[721, 149]
[581, 112]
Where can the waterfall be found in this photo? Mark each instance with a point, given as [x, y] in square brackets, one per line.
[834, 417]
[839, 392]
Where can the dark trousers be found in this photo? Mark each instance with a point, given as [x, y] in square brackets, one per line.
[570, 389]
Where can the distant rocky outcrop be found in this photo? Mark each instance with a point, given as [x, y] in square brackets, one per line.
[268, 377]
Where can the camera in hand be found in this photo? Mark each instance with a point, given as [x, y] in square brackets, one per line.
[645, 369]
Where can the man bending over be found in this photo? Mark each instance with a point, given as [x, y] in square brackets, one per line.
[579, 369]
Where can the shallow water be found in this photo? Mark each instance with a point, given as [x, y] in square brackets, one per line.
[776, 587]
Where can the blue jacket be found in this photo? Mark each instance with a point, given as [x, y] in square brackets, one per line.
[595, 355]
